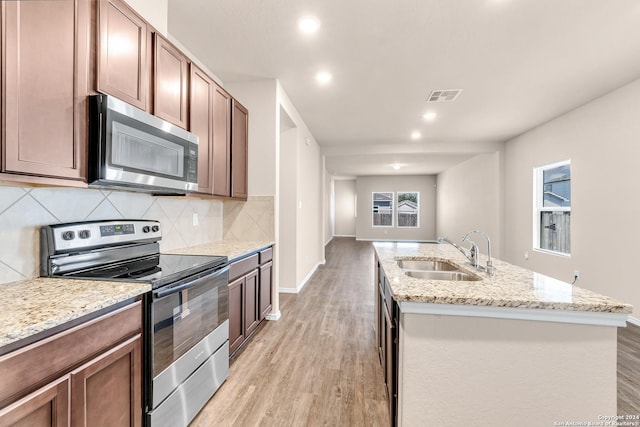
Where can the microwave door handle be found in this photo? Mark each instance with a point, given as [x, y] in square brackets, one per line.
[163, 292]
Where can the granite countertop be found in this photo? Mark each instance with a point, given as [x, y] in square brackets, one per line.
[234, 250]
[511, 286]
[32, 307]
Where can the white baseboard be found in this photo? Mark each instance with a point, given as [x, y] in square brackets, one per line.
[344, 235]
[633, 320]
[328, 241]
[303, 282]
[274, 316]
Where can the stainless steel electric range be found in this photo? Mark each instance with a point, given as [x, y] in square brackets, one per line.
[187, 321]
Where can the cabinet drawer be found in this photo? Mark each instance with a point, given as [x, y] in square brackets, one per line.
[266, 255]
[242, 267]
[24, 369]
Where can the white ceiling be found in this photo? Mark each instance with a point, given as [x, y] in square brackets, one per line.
[519, 62]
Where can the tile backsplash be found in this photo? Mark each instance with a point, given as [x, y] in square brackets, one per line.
[24, 209]
[250, 220]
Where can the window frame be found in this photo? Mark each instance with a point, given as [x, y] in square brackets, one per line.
[392, 206]
[417, 193]
[538, 206]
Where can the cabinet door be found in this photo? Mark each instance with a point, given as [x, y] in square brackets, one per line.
[239, 149]
[264, 300]
[251, 316]
[221, 142]
[107, 391]
[201, 122]
[236, 314]
[46, 407]
[170, 82]
[45, 85]
[124, 65]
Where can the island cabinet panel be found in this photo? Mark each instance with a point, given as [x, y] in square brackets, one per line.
[387, 316]
[45, 73]
[221, 142]
[170, 82]
[201, 121]
[46, 407]
[239, 150]
[124, 57]
[91, 373]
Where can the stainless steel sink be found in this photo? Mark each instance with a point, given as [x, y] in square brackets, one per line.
[426, 265]
[442, 275]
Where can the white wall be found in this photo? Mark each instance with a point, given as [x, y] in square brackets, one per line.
[309, 206]
[602, 140]
[329, 206]
[345, 197]
[425, 184]
[153, 11]
[469, 198]
[288, 231]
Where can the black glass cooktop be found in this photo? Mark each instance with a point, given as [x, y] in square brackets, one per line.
[158, 270]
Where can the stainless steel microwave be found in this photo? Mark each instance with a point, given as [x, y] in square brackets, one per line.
[132, 149]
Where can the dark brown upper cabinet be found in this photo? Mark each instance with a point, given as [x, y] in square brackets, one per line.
[239, 150]
[170, 82]
[201, 123]
[221, 142]
[45, 81]
[210, 119]
[124, 54]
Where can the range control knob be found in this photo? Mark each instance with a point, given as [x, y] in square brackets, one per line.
[146, 229]
[84, 234]
[68, 235]
[155, 228]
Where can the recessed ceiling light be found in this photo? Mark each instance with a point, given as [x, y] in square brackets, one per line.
[396, 166]
[429, 116]
[323, 77]
[416, 135]
[308, 24]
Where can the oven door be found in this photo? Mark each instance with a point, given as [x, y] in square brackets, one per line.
[188, 324]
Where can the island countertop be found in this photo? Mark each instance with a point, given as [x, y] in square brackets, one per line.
[510, 287]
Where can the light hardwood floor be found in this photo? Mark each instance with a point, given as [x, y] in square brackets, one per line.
[318, 366]
[629, 370]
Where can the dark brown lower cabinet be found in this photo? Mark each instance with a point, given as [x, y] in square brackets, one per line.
[89, 375]
[250, 281]
[387, 338]
[236, 316]
[264, 298]
[47, 406]
[107, 391]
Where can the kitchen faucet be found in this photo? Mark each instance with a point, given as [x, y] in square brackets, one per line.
[490, 269]
[474, 254]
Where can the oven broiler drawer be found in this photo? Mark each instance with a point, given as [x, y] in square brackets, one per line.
[181, 391]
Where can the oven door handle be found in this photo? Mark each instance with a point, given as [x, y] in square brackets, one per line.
[163, 292]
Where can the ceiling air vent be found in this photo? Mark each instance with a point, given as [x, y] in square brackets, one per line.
[443, 95]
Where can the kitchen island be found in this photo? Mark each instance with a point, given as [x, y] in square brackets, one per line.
[517, 348]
